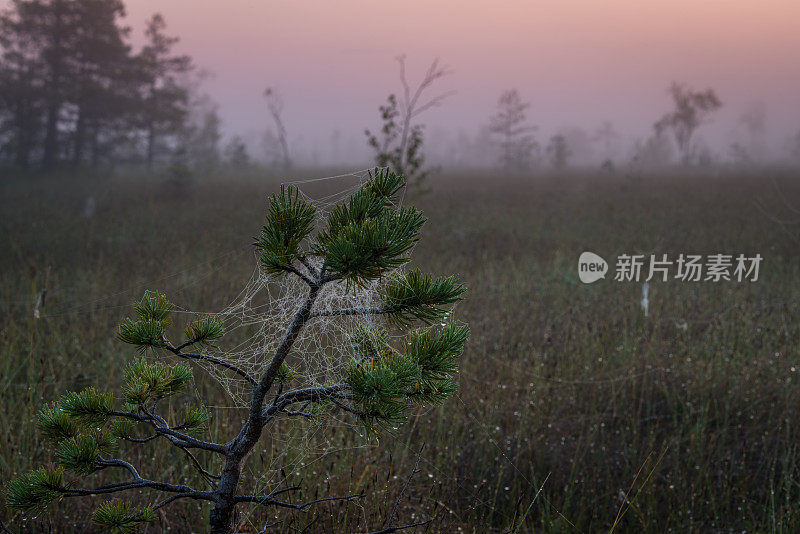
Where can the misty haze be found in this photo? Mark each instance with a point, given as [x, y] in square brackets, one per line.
[404, 266]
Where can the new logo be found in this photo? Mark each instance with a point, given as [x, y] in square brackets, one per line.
[591, 267]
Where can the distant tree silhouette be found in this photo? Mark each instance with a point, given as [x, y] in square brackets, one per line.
[558, 151]
[166, 100]
[102, 92]
[692, 108]
[275, 106]
[400, 143]
[72, 91]
[64, 63]
[516, 137]
[22, 85]
[236, 153]
[202, 135]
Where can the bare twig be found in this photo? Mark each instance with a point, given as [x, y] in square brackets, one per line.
[210, 477]
[390, 526]
[403, 491]
[268, 500]
[409, 104]
[178, 351]
[4, 528]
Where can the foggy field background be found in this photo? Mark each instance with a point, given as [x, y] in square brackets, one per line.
[140, 141]
[574, 412]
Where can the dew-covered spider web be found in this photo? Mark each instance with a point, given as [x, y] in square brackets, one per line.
[257, 319]
[255, 323]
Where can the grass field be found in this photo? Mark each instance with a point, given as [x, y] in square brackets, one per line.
[576, 413]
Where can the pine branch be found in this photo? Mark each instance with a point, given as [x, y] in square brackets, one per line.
[300, 411]
[117, 516]
[300, 275]
[140, 440]
[145, 382]
[177, 351]
[409, 297]
[414, 296]
[306, 395]
[120, 463]
[345, 407]
[256, 419]
[289, 221]
[138, 484]
[34, 491]
[171, 499]
[179, 439]
[162, 428]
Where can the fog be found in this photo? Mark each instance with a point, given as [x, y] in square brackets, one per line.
[578, 63]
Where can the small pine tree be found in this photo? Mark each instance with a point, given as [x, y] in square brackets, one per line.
[509, 124]
[364, 239]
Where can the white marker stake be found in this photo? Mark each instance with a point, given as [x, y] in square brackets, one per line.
[645, 301]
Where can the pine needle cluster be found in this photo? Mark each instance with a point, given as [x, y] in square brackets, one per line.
[85, 428]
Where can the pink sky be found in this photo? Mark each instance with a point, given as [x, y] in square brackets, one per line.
[578, 62]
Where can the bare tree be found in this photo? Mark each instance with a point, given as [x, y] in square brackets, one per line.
[275, 106]
[692, 108]
[517, 141]
[400, 144]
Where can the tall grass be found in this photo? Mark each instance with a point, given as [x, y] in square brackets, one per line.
[575, 412]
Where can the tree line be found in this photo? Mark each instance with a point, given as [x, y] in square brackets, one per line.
[73, 91]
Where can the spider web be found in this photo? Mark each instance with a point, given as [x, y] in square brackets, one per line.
[259, 316]
[255, 323]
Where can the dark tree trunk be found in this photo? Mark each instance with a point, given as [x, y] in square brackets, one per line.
[22, 158]
[25, 136]
[221, 518]
[80, 137]
[94, 146]
[151, 146]
[51, 136]
[54, 98]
